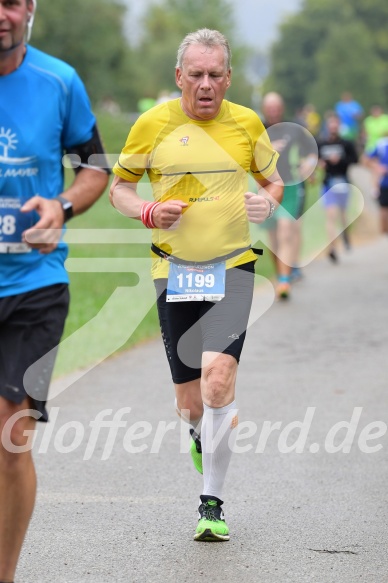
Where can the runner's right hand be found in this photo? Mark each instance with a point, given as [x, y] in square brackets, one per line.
[167, 215]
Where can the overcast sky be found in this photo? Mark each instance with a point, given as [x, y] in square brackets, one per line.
[257, 20]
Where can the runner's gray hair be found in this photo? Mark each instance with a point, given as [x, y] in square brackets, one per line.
[208, 38]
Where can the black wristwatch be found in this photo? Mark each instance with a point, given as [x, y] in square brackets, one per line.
[67, 207]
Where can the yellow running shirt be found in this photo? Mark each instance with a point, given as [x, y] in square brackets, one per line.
[206, 165]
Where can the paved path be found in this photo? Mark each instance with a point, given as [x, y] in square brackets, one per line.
[294, 517]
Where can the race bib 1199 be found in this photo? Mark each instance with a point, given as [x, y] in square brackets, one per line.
[196, 283]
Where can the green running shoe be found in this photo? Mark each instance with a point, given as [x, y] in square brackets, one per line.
[211, 524]
[196, 451]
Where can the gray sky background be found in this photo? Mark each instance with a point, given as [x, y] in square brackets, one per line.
[257, 20]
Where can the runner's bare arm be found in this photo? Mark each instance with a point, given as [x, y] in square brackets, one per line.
[123, 196]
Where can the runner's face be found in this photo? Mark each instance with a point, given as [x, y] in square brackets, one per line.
[333, 125]
[13, 22]
[203, 80]
[273, 111]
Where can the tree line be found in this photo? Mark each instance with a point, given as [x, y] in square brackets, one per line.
[89, 34]
[326, 48]
[330, 47]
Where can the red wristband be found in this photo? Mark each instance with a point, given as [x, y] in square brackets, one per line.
[146, 214]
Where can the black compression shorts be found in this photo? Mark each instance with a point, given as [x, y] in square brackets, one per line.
[191, 328]
[31, 325]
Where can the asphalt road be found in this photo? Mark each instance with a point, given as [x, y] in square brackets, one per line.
[319, 514]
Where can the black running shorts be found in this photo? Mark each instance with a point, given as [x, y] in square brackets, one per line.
[31, 325]
[191, 328]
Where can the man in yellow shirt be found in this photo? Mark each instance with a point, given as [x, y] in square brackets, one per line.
[198, 152]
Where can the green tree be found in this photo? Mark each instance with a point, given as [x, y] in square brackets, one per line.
[347, 61]
[88, 35]
[298, 58]
[374, 15]
[293, 66]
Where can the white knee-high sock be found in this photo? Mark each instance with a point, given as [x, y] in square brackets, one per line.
[217, 438]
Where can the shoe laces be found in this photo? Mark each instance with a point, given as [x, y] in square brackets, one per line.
[210, 511]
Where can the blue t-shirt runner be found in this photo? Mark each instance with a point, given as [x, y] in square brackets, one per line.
[31, 149]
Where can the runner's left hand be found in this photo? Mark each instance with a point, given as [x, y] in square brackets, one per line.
[257, 207]
[46, 233]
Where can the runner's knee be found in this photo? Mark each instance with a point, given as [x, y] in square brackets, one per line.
[218, 383]
[286, 233]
